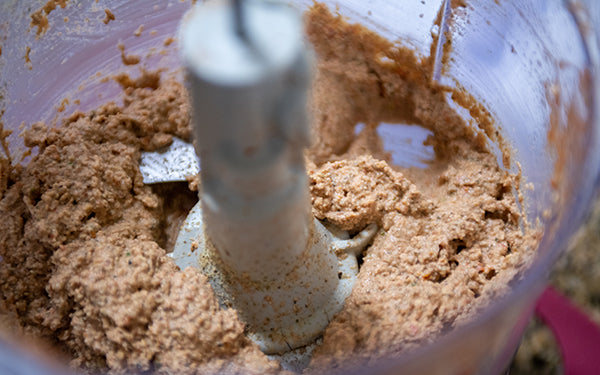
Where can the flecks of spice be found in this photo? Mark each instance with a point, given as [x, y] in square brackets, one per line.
[128, 59]
[109, 16]
[138, 31]
[63, 104]
[153, 32]
[168, 41]
[27, 59]
[39, 18]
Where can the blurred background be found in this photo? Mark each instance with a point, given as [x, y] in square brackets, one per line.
[577, 276]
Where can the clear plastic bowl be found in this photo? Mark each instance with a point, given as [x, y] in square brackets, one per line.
[533, 64]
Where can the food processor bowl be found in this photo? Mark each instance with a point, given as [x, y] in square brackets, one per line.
[532, 64]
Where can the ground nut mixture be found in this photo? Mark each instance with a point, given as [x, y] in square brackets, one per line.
[83, 241]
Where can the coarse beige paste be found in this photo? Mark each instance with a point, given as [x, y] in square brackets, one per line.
[83, 241]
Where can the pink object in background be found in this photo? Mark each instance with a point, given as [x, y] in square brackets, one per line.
[577, 335]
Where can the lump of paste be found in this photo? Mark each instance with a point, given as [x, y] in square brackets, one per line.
[355, 193]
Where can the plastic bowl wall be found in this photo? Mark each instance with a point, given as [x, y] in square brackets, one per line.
[533, 64]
